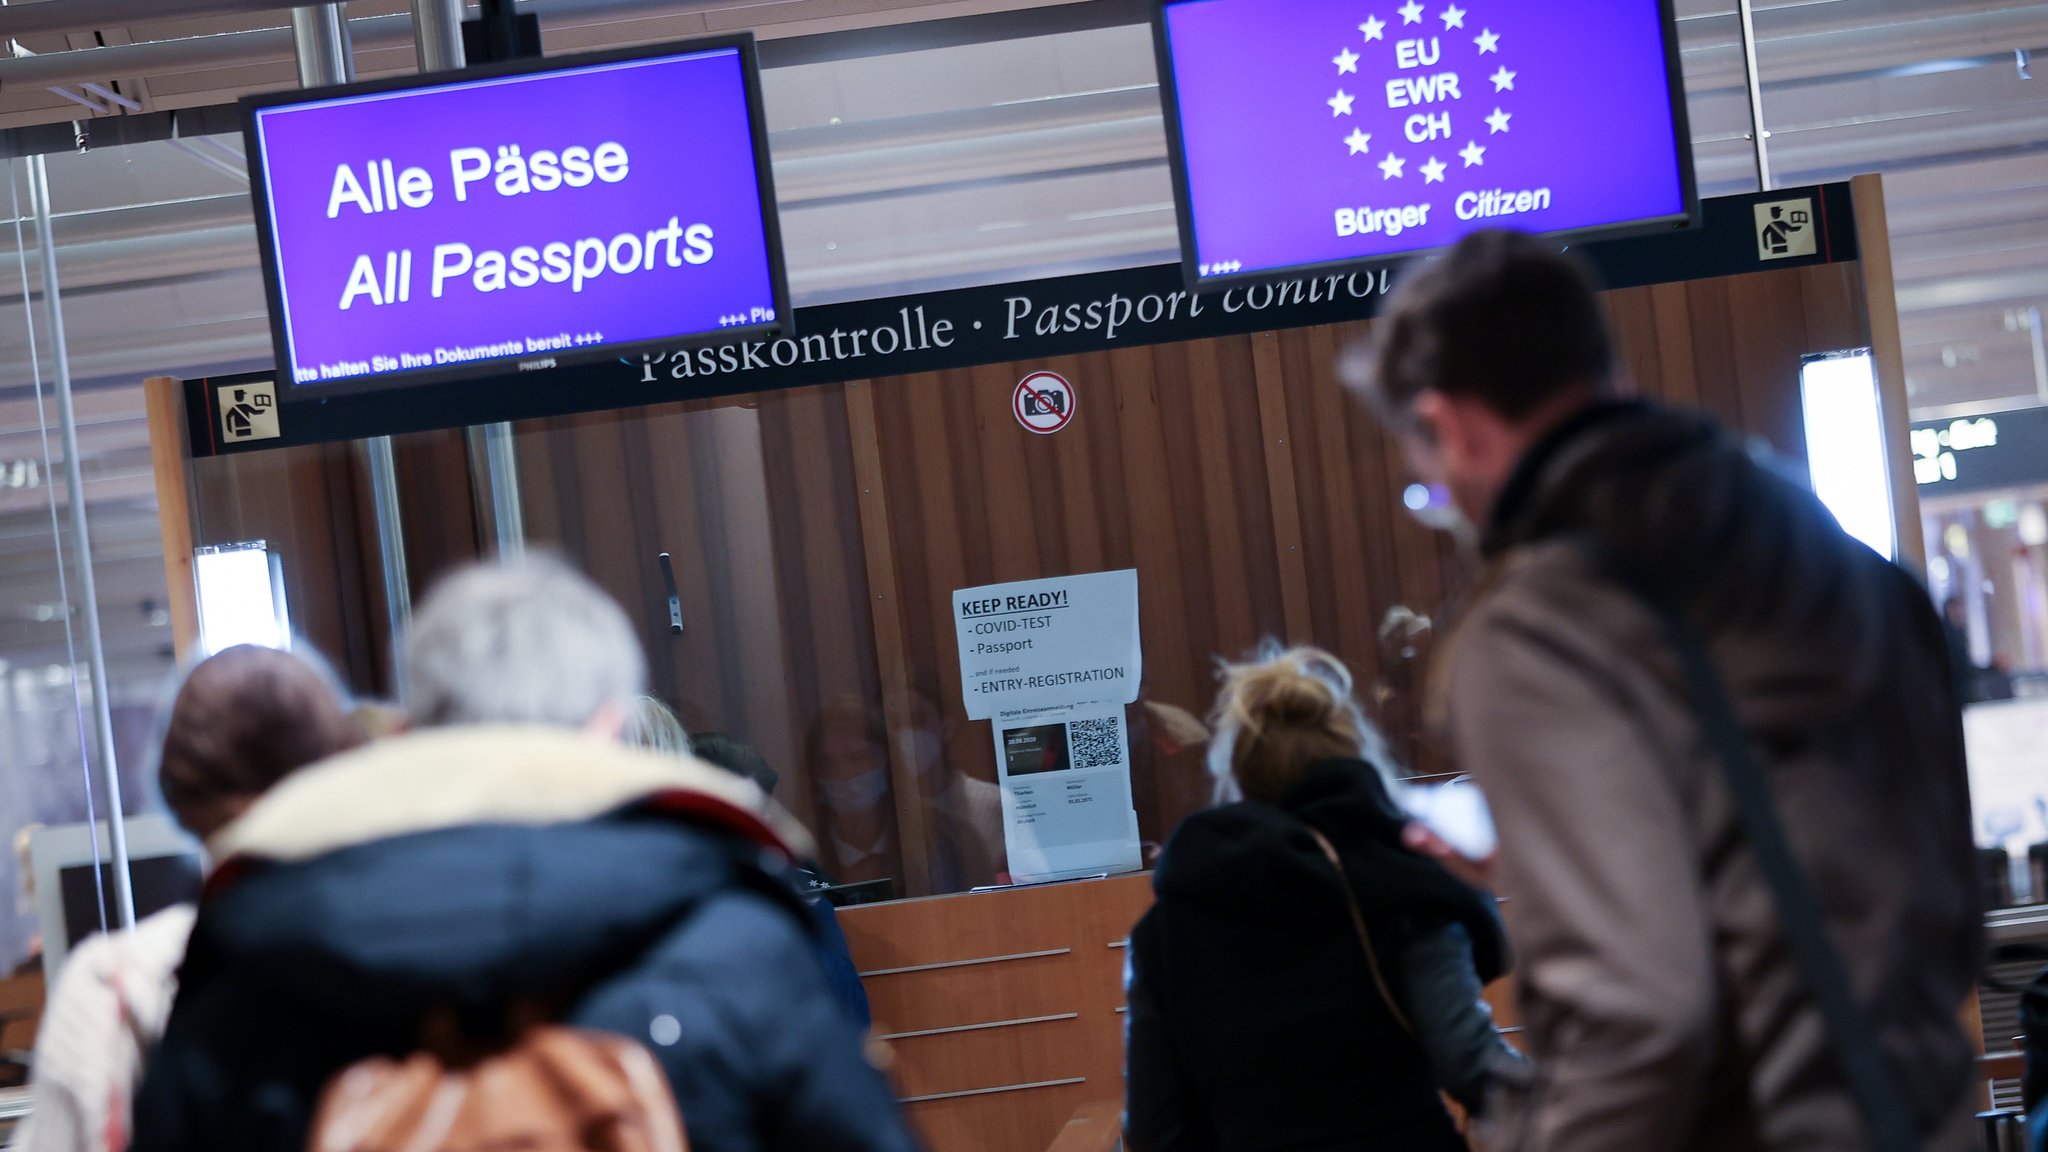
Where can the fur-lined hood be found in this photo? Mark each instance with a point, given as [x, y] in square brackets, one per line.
[481, 866]
[519, 776]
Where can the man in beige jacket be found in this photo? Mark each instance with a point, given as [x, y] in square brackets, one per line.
[1664, 1008]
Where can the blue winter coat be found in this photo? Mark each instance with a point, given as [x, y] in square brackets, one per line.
[663, 918]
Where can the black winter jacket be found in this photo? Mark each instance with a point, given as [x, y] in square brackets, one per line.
[1255, 1024]
[474, 869]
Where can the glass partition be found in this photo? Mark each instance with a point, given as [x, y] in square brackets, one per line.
[48, 724]
[898, 170]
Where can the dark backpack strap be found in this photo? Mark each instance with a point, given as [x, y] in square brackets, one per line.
[1850, 1035]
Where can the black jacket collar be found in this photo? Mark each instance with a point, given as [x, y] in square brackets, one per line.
[1532, 471]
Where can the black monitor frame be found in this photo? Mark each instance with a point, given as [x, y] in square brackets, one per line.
[1183, 197]
[259, 194]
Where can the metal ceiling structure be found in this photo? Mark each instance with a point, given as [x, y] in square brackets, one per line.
[918, 144]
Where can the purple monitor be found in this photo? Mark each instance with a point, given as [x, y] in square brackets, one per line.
[515, 217]
[1318, 133]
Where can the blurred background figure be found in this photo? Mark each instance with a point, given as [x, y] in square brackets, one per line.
[722, 751]
[504, 868]
[25, 894]
[1975, 683]
[652, 725]
[242, 720]
[962, 814]
[847, 752]
[741, 759]
[1304, 981]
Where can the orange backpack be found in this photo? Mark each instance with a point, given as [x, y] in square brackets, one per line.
[553, 1089]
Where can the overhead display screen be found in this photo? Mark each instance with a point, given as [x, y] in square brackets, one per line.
[1323, 132]
[517, 217]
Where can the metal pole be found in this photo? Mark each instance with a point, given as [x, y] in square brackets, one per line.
[501, 457]
[494, 478]
[390, 542]
[81, 544]
[1757, 135]
[2040, 347]
[320, 40]
[493, 455]
[438, 25]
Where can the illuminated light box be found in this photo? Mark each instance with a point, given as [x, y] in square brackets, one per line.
[1845, 445]
[241, 597]
[515, 217]
[1315, 134]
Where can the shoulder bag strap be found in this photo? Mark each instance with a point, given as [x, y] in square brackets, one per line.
[1854, 1041]
[1372, 958]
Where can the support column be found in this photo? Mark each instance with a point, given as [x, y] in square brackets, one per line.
[493, 456]
[438, 26]
[320, 39]
[81, 544]
[1757, 135]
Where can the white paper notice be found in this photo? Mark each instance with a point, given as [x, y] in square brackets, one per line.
[1066, 777]
[1043, 643]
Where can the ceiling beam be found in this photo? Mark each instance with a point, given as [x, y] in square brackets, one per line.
[87, 15]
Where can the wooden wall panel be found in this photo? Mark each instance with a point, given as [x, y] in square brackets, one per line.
[304, 503]
[1767, 317]
[1878, 299]
[169, 451]
[441, 530]
[314, 506]
[1143, 477]
[1000, 1009]
[1731, 346]
[754, 503]
[807, 445]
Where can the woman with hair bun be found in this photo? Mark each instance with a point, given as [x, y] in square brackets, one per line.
[1304, 981]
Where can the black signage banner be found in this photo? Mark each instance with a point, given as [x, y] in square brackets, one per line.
[1971, 454]
[963, 327]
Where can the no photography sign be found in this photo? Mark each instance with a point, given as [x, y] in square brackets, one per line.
[1044, 402]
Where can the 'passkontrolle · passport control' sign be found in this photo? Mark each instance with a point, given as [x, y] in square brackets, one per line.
[1326, 131]
[483, 224]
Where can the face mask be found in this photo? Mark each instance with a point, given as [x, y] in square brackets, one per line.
[863, 791]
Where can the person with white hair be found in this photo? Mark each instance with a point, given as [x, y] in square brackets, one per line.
[509, 859]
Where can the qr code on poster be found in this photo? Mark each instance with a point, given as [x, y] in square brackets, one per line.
[1096, 743]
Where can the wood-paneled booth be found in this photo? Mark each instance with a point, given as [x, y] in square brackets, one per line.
[821, 507]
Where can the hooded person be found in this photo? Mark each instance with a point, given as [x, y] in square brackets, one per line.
[508, 854]
[241, 720]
